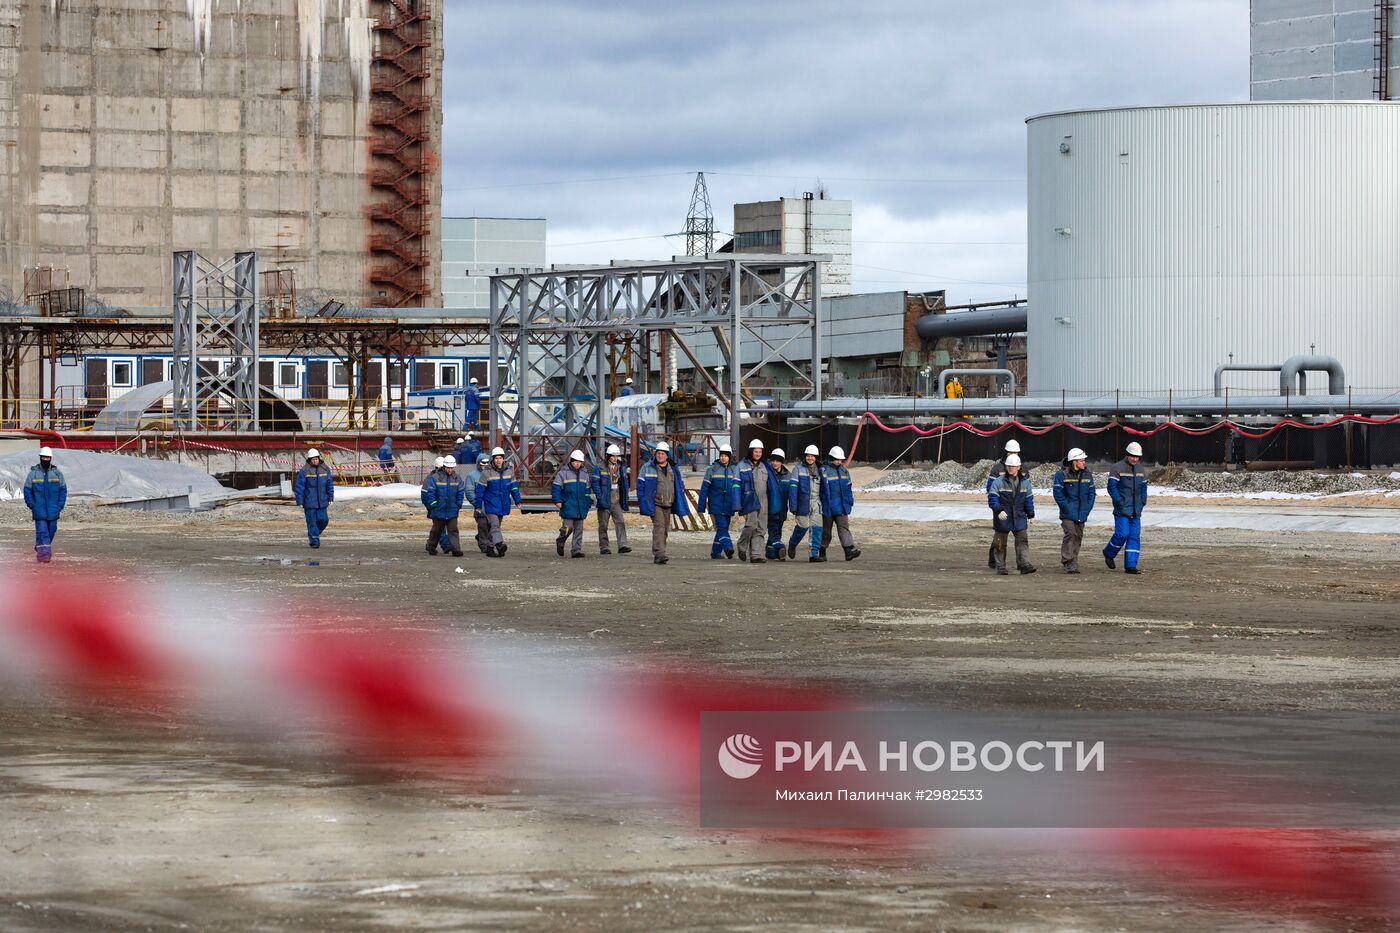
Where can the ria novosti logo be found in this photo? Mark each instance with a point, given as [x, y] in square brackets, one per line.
[740, 756]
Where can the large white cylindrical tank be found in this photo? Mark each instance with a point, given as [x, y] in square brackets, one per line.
[1164, 239]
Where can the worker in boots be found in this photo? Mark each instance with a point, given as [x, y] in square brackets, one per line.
[998, 469]
[386, 457]
[471, 402]
[838, 499]
[805, 503]
[1074, 494]
[443, 494]
[778, 475]
[444, 542]
[1013, 507]
[1127, 487]
[45, 493]
[572, 493]
[719, 495]
[610, 482]
[661, 494]
[496, 491]
[754, 477]
[469, 479]
[314, 491]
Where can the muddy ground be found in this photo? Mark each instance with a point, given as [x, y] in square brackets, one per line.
[161, 827]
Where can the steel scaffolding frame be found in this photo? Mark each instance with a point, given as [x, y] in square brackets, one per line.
[215, 304]
[556, 325]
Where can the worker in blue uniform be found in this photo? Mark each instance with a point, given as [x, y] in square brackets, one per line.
[838, 501]
[314, 492]
[496, 491]
[778, 475]
[1074, 494]
[1127, 487]
[443, 494]
[473, 404]
[719, 495]
[45, 493]
[572, 494]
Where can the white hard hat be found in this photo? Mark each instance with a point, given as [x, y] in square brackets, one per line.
[313, 452]
[484, 458]
[812, 449]
[438, 463]
[755, 444]
[628, 382]
[449, 461]
[461, 440]
[46, 451]
[836, 453]
[663, 447]
[575, 455]
[614, 450]
[471, 381]
[497, 452]
[1013, 460]
[1076, 454]
[778, 454]
[1135, 449]
[726, 449]
[1013, 446]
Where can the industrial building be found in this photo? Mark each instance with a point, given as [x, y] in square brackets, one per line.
[473, 248]
[305, 131]
[812, 224]
[1166, 241]
[1322, 50]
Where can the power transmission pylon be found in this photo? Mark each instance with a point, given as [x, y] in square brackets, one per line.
[700, 220]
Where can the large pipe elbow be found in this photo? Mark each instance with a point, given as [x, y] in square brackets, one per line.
[1291, 375]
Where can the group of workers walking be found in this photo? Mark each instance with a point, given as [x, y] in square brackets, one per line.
[1010, 498]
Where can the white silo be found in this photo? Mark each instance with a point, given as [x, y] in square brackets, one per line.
[1162, 240]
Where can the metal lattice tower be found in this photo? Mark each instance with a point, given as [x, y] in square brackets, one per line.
[554, 325]
[216, 306]
[700, 220]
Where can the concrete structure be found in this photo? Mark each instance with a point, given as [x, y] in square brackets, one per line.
[133, 130]
[1321, 49]
[473, 248]
[804, 225]
[1164, 241]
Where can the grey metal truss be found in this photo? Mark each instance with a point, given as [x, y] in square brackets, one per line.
[554, 324]
[215, 307]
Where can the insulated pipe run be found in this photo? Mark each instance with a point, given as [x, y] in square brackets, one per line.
[971, 323]
[1224, 368]
[1294, 370]
[943, 377]
[1095, 406]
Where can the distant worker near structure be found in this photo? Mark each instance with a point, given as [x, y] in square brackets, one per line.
[314, 491]
[467, 450]
[626, 389]
[45, 493]
[1013, 506]
[754, 479]
[805, 503]
[1074, 494]
[572, 493]
[610, 481]
[777, 504]
[386, 455]
[954, 388]
[838, 500]
[998, 468]
[1127, 487]
[473, 404]
[443, 495]
[496, 491]
[661, 494]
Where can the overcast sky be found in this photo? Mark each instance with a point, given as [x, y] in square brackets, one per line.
[595, 114]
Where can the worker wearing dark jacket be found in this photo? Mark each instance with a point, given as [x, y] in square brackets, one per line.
[661, 494]
[443, 495]
[467, 451]
[804, 487]
[386, 455]
[472, 402]
[777, 503]
[471, 479]
[610, 481]
[753, 502]
[719, 495]
[315, 491]
[572, 493]
[1074, 494]
[1127, 487]
[1013, 507]
[45, 493]
[838, 499]
[496, 490]
[998, 470]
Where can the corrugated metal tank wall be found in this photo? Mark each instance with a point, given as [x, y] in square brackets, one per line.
[1163, 239]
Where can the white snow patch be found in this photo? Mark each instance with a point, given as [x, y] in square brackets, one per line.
[390, 491]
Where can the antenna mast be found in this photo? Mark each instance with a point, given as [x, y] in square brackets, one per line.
[700, 220]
